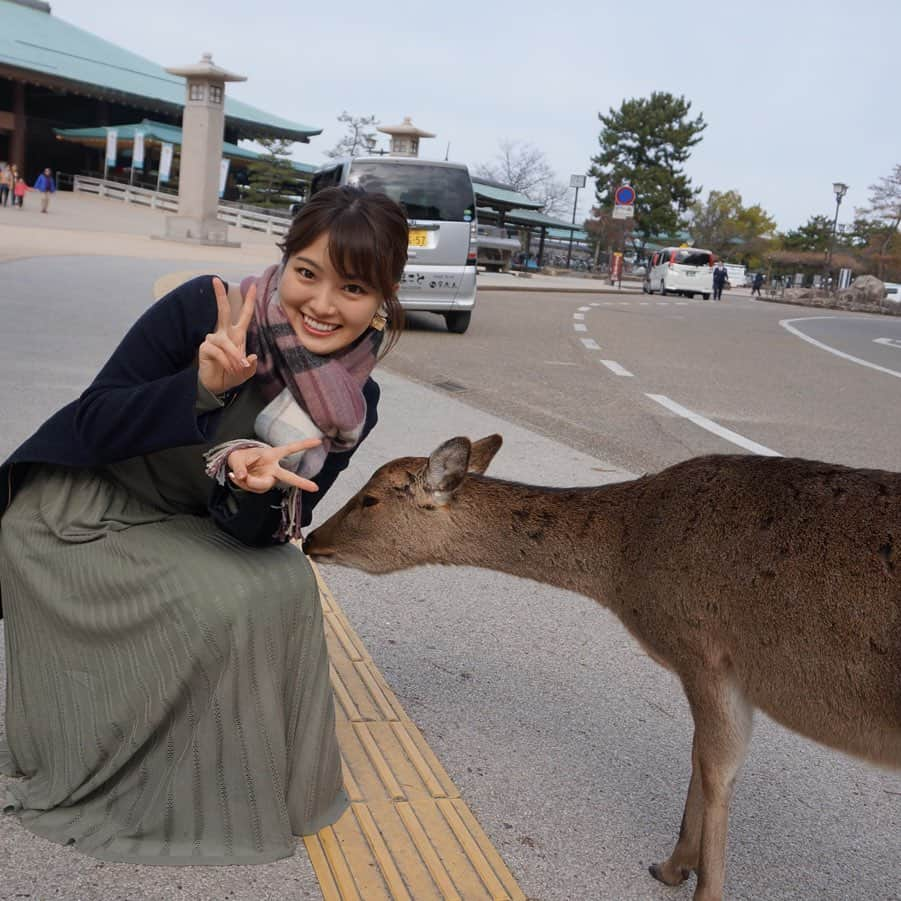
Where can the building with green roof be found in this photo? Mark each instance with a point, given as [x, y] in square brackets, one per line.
[56, 75]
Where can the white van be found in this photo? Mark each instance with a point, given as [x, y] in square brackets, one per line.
[680, 270]
[440, 275]
[893, 292]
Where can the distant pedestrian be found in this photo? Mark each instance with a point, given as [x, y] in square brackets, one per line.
[19, 192]
[47, 186]
[720, 276]
[6, 183]
[757, 284]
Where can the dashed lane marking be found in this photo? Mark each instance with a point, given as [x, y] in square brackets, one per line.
[616, 369]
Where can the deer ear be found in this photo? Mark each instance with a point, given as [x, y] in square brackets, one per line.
[446, 468]
[483, 452]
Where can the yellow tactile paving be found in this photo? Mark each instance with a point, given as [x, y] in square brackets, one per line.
[408, 834]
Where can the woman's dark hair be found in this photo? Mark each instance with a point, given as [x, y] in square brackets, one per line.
[368, 239]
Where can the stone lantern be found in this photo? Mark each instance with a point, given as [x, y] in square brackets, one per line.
[405, 137]
[203, 129]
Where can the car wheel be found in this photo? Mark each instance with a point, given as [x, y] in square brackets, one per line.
[457, 322]
[706, 296]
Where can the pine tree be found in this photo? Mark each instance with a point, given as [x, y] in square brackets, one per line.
[645, 143]
[359, 139]
[271, 175]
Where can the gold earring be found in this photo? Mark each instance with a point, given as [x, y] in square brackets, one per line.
[380, 320]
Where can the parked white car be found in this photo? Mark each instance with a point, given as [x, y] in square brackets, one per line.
[893, 291]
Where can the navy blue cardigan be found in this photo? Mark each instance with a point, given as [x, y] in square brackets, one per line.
[143, 400]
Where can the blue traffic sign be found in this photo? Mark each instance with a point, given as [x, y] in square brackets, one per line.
[625, 195]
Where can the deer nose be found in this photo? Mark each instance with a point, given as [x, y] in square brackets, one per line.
[311, 550]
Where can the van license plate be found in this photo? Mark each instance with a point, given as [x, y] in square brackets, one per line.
[691, 274]
[418, 238]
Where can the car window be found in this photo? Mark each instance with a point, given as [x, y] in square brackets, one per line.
[328, 178]
[688, 257]
[442, 193]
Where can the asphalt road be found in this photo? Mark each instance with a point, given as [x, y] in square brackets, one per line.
[737, 363]
[570, 745]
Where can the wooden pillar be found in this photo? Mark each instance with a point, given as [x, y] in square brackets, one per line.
[541, 247]
[17, 139]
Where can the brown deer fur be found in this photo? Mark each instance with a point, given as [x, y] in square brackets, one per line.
[760, 582]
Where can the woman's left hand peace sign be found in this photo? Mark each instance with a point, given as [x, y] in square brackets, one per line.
[258, 469]
[221, 359]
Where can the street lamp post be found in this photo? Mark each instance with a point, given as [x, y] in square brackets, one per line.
[575, 181]
[839, 189]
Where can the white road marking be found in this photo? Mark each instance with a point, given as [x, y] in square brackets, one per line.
[891, 342]
[711, 426]
[662, 303]
[615, 368]
[580, 327]
[623, 303]
[584, 309]
[590, 343]
[643, 303]
[681, 303]
[559, 363]
[787, 325]
[578, 315]
[595, 305]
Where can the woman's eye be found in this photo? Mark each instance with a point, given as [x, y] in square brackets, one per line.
[305, 273]
[355, 289]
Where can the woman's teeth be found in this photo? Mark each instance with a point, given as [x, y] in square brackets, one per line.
[317, 325]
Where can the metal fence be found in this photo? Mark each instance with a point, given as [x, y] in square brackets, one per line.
[238, 216]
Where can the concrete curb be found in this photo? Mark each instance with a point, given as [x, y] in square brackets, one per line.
[563, 289]
[852, 308]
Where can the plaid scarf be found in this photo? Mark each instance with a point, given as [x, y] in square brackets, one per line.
[329, 389]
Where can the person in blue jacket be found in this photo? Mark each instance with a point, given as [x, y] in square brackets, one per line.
[720, 277]
[47, 186]
[168, 695]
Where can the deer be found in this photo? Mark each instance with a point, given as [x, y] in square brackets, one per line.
[763, 583]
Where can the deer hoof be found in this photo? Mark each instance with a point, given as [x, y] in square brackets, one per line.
[668, 875]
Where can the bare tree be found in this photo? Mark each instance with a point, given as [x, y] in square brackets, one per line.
[360, 137]
[885, 211]
[525, 168]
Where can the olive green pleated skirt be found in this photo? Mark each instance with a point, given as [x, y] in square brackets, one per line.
[168, 694]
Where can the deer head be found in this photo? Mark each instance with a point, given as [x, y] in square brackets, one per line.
[403, 516]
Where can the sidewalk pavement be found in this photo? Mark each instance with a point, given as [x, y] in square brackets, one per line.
[567, 284]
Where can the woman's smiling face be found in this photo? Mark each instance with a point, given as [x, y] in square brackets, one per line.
[326, 310]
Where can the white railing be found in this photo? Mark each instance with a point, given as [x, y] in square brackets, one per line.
[236, 216]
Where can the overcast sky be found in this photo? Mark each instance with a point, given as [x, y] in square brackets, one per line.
[796, 95]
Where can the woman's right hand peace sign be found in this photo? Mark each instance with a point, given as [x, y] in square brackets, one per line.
[222, 363]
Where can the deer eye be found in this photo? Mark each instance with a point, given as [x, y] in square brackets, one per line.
[369, 501]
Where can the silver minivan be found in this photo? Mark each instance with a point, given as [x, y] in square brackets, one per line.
[440, 275]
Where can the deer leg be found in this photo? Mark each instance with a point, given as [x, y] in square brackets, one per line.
[678, 866]
[723, 719]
